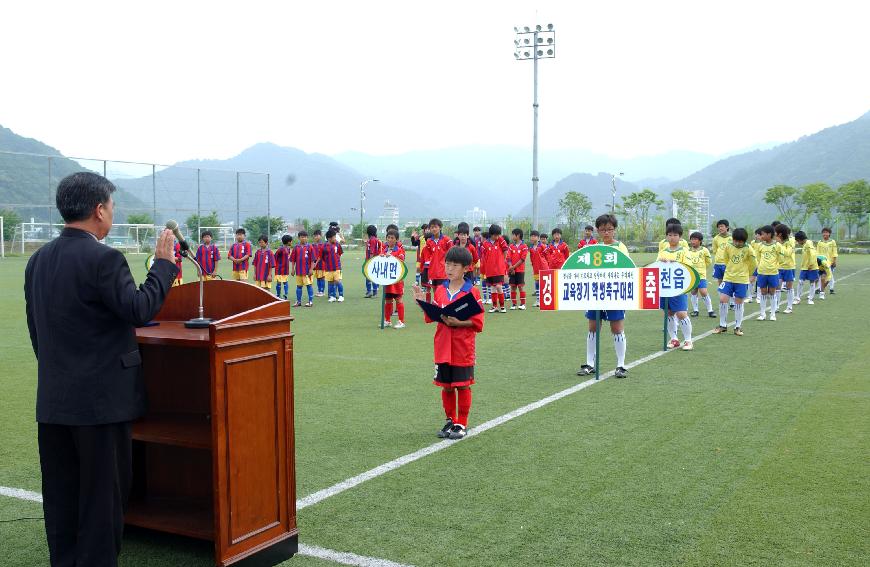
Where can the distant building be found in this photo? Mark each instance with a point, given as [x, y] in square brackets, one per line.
[476, 217]
[699, 218]
[389, 215]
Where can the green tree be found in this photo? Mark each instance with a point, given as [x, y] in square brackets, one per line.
[637, 208]
[820, 200]
[141, 218]
[195, 221]
[255, 226]
[784, 198]
[576, 207]
[11, 221]
[853, 203]
[685, 204]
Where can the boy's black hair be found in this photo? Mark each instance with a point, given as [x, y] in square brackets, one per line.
[606, 218]
[819, 261]
[766, 229]
[330, 233]
[371, 230]
[723, 221]
[263, 239]
[534, 233]
[204, 233]
[698, 236]
[775, 223]
[484, 234]
[518, 232]
[740, 234]
[800, 236]
[333, 223]
[458, 255]
[588, 227]
[828, 230]
[436, 222]
[476, 229]
[782, 230]
[462, 229]
[316, 232]
[286, 239]
[672, 220]
[391, 227]
[424, 227]
[758, 230]
[494, 230]
[675, 229]
[393, 232]
[301, 233]
[241, 231]
[556, 230]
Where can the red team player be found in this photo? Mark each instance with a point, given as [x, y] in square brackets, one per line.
[208, 255]
[436, 248]
[374, 247]
[588, 239]
[178, 257]
[465, 242]
[539, 262]
[454, 344]
[494, 265]
[517, 253]
[264, 262]
[282, 266]
[557, 251]
[394, 292]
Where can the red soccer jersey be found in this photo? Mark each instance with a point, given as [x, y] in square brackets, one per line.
[455, 345]
[398, 287]
[264, 261]
[374, 247]
[301, 256]
[240, 250]
[492, 261]
[517, 256]
[178, 259]
[423, 257]
[472, 249]
[586, 242]
[436, 251]
[317, 247]
[536, 254]
[208, 256]
[557, 253]
[282, 261]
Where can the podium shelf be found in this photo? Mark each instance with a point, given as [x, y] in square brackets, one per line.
[190, 518]
[172, 333]
[179, 429]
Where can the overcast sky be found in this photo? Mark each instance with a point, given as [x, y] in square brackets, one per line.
[168, 81]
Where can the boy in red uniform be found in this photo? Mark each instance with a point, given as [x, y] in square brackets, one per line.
[282, 265]
[208, 255]
[178, 258]
[484, 286]
[263, 261]
[317, 247]
[494, 264]
[374, 247]
[558, 250]
[303, 263]
[394, 292]
[436, 250]
[535, 256]
[517, 253]
[588, 239]
[240, 253]
[454, 345]
[465, 242]
[330, 260]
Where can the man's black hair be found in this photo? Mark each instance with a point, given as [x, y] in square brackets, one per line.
[674, 229]
[79, 194]
[740, 234]
[518, 232]
[458, 255]
[606, 218]
[371, 230]
[286, 239]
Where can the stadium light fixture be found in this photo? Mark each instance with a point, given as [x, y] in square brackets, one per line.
[362, 197]
[613, 177]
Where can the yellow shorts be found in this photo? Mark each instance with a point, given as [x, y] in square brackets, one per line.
[177, 282]
[264, 285]
[281, 279]
[240, 275]
[537, 277]
[318, 274]
[303, 280]
[333, 276]
[208, 278]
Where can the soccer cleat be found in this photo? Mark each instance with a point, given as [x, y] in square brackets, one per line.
[502, 310]
[399, 325]
[620, 372]
[748, 299]
[297, 304]
[457, 432]
[787, 310]
[487, 302]
[694, 313]
[822, 295]
[688, 345]
[773, 316]
[332, 300]
[763, 317]
[387, 324]
[493, 310]
[585, 370]
[513, 307]
[810, 302]
[831, 291]
[444, 432]
[309, 304]
[719, 330]
[522, 307]
[711, 315]
[796, 300]
[537, 303]
[673, 343]
[340, 299]
[738, 331]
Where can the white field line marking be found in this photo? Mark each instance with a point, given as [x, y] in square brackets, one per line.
[346, 558]
[353, 481]
[20, 494]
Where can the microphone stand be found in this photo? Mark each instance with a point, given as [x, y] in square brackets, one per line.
[199, 322]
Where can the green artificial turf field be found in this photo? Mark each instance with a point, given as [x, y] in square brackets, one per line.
[748, 450]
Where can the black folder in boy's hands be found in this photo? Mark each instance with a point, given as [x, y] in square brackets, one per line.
[463, 308]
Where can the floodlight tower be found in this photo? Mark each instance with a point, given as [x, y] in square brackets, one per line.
[535, 44]
[362, 197]
[613, 177]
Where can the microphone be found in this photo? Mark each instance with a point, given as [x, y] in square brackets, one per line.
[173, 226]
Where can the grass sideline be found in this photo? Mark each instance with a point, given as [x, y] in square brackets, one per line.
[679, 464]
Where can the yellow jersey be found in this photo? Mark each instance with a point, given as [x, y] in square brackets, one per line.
[824, 265]
[676, 255]
[700, 259]
[768, 256]
[786, 255]
[828, 249]
[618, 245]
[719, 243]
[808, 256]
[663, 244]
[740, 262]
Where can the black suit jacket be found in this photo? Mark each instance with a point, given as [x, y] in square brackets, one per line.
[82, 308]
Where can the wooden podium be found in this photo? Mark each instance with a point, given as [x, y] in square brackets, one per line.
[214, 456]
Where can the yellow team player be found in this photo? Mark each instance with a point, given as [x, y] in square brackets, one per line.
[786, 265]
[740, 262]
[827, 247]
[677, 307]
[768, 253]
[663, 243]
[824, 274]
[752, 289]
[809, 266]
[700, 258]
[719, 243]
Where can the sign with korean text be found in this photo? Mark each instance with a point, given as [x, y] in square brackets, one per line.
[675, 278]
[599, 277]
[384, 270]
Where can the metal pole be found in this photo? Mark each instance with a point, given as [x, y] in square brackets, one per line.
[104, 168]
[597, 343]
[50, 215]
[665, 327]
[535, 138]
[237, 200]
[2, 240]
[154, 197]
[198, 213]
[362, 234]
[268, 207]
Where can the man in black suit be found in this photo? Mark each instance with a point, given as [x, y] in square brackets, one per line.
[82, 308]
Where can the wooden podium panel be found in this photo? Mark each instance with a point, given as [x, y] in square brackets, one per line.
[214, 456]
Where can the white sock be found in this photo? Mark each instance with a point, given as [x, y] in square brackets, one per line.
[800, 285]
[762, 302]
[723, 314]
[694, 302]
[686, 328]
[812, 293]
[831, 283]
[738, 314]
[778, 296]
[672, 327]
[619, 345]
[790, 297]
[590, 349]
[709, 303]
[774, 302]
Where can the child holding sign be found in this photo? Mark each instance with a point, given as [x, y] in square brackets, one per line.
[394, 292]
[606, 226]
[454, 344]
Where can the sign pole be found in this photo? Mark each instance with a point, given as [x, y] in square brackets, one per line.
[665, 327]
[597, 343]
[383, 304]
